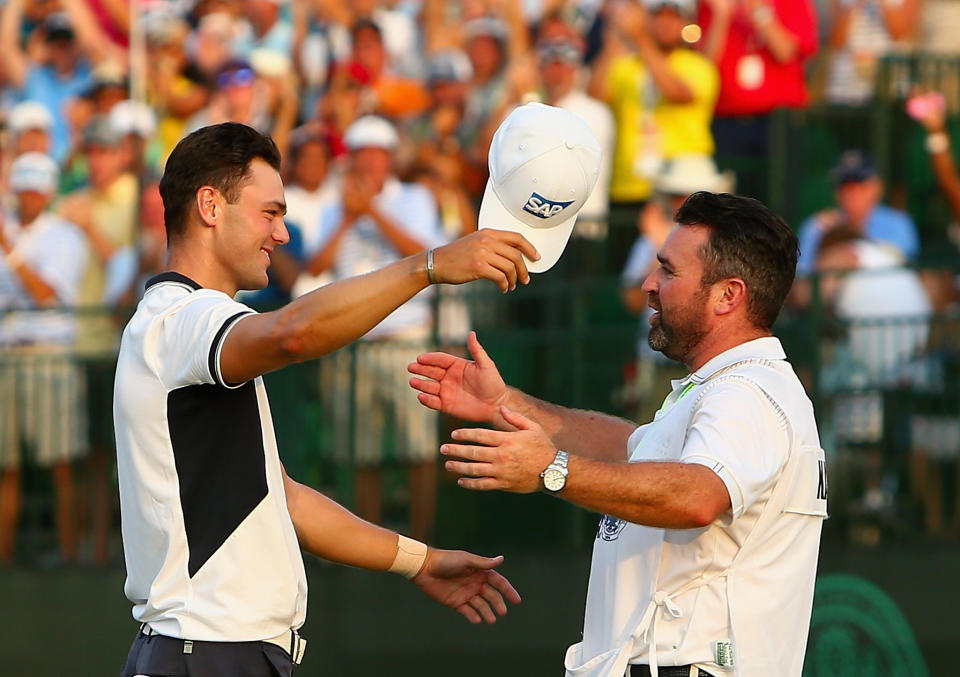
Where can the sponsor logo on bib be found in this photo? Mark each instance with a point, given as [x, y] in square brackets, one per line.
[543, 208]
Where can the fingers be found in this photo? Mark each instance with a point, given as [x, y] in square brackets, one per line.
[469, 452]
[483, 608]
[477, 351]
[441, 360]
[424, 386]
[494, 599]
[469, 613]
[497, 276]
[481, 562]
[426, 370]
[500, 582]
[430, 401]
[469, 469]
[518, 241]
[516, 419]
[483, 436]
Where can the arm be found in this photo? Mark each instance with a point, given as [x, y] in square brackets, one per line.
[632, 20]
[475, 391]
[668, 495]
[41, 293]
[721, 12]
[92, 39]
[457, 579]
[901, 18]
[397, 236]
[15, 61]
[779, 40]
[944, 166]
[332, 316]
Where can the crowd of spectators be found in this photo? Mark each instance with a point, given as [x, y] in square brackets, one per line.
[384, 112]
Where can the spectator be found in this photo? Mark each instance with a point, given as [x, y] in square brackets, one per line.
[560, 58]
[858, 191]
[136, 124]
[380, 220]
[30, 124]
[760, 47]
[862, 32]
[661, 92]
[263, 27]
[106, 212]
[41, 389]
[71, 41]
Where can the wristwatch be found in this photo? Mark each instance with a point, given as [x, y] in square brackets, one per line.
[555, 475]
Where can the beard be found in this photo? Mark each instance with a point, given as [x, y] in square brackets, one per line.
[677, 335]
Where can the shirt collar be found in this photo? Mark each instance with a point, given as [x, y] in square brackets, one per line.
[171, 276]
[764, 348]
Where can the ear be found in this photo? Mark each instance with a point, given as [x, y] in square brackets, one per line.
[209, 205]
[731, 295]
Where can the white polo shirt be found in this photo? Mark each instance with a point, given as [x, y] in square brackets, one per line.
[744, 415]
[210, 549]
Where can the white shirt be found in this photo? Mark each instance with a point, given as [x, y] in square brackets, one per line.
[56, 251]
[210, 549]
[364, 248]
[600, 121]
[744, 415]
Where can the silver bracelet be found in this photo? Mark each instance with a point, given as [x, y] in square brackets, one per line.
[431, 274]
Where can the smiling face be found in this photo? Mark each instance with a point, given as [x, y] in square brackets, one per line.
[681, 302]
[252, 227]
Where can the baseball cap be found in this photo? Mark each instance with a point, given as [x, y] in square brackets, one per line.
[370, 131]
[36, 172]
[29, 115]
[99, 132]
[853, 166]
[449, 66]
[544, 162]
[486, 26]
[686, 174]
[685, 7]
[57, 28]
[565, 51]
[133, 117]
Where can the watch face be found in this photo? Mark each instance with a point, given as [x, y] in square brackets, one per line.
[554, 480]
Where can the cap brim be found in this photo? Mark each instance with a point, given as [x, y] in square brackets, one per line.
[549, 242]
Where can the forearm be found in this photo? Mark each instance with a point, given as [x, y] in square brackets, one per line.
[780, 42]
[41, 293]
[673, 88]
[900, 18]
[945, 169]
[402, 242]
[328, 530]
[13, 58]
[716, 41]
[589, 434]
[655, 494]
[324, 259]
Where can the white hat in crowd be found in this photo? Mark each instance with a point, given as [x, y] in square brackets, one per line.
[29, 115]
[685, 7]
[544, 162]
[34, 172]
[133, 117]
[371, 131]
[686, 174]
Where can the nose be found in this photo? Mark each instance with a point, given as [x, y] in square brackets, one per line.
[280, 233]
[652, 282]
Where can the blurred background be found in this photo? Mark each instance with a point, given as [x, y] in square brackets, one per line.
[841, 115]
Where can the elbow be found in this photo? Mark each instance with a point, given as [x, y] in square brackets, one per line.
[703, 514]
[291, 338]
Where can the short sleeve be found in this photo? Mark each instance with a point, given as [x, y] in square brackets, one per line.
[189, 337]
[747, 449]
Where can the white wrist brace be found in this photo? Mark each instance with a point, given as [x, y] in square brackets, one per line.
[411, 555]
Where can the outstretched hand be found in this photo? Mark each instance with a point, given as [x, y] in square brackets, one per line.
[466, 583]
[471, 390]
[496, 459]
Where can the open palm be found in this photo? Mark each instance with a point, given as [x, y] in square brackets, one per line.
[471, 390]
[467, 583]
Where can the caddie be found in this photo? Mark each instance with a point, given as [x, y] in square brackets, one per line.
[705, 559]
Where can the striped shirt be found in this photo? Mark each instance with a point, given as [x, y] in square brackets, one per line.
[56, 251]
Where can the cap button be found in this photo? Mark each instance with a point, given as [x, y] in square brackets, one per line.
[569, 144]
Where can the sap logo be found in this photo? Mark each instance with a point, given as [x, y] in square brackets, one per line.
[543, 208]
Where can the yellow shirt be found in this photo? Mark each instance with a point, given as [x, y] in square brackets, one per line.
[649, 128]
[115, 215]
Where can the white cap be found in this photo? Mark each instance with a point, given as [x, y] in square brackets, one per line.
[36, 172]
[29, 115]
[544, 163]
[686, 174]
[133, 117]
[370, 131]
[687, 7]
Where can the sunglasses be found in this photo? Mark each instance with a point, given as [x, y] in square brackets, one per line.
[238, 78]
